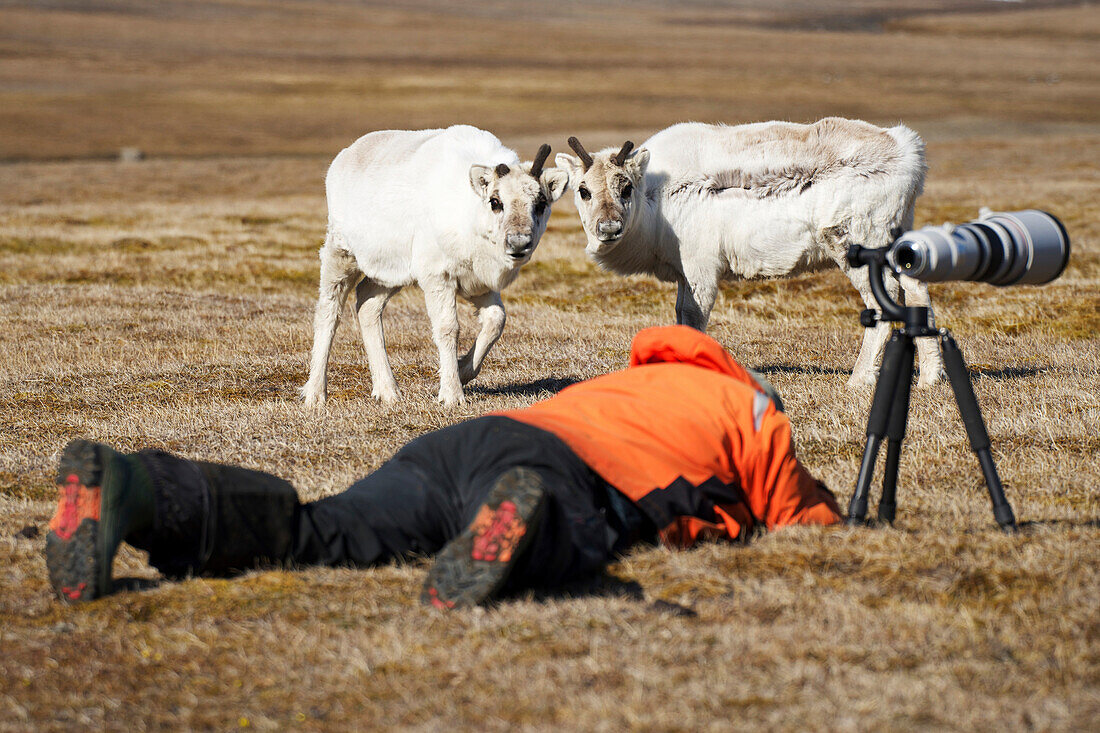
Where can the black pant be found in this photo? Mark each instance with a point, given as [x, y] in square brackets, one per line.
[416, 502]
[431, 489]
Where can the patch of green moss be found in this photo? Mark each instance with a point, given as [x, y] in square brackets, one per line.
[28, 487]
[181, 242]
[253, 221]
[134, 244]
[35, 245]
[90, 277]
[936, 213]
[1074, 318]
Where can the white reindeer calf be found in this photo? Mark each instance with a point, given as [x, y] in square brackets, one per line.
[452, 210]
[698, 203]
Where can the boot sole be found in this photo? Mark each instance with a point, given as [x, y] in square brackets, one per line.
[472, 567]
[78, 564]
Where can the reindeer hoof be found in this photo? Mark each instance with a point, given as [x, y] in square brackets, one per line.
[386, 397]
[858, 381]
[451, 399]
[313, 399]
[933, 378]
[466, 370]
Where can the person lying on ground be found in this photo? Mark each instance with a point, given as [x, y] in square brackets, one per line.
[683, 445]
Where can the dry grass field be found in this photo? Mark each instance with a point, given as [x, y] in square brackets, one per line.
[168, 303]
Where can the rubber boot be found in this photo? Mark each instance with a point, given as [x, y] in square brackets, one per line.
[472, 567]
[214, 519]
[193, 518]
[104, 497]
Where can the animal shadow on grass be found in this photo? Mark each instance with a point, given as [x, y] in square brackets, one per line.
[527, 389]
[791, 369]
[1033, 524]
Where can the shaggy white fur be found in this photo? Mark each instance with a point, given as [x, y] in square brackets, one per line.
[452, 210]
[698, 203]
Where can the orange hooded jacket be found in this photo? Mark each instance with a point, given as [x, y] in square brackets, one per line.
[690, 437]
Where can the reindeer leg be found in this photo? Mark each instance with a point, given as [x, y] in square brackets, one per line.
[695, 298]
[439, 296]
[865, 371]
[490, 314]
[338, 274]
[928, 348]
[370, 301]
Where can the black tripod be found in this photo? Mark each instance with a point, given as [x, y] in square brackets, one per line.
[890, 408]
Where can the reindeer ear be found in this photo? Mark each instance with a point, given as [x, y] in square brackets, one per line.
[481, 176]
[639, 161]
[554, 182]
[570, 164]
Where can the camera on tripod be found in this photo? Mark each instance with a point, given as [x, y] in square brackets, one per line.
[1029, 247]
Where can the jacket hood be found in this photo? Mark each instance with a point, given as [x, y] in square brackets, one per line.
[685, 345]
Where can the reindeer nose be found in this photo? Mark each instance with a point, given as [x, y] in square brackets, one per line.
[609, 228]
[519, 244]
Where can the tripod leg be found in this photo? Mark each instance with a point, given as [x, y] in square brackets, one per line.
[895, 433]
[975, 429]
[877, 422]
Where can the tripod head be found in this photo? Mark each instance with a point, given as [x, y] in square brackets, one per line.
[1028, 247]
[916, 320]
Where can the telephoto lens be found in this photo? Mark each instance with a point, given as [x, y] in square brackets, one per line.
[1029, 247]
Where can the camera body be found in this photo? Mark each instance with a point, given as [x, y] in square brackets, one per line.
[1029, 247]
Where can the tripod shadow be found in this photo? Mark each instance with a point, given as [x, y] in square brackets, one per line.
[1058, 523]
[1006, 372]
[1001, 373]
[528, 389]
[1035, 525]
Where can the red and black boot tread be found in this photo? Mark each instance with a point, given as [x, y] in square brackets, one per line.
[472, 567]
[71, 544]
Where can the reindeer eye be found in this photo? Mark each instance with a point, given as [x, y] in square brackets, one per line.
[627, 190]
[540, 205]
[496, 205]
[585, 194]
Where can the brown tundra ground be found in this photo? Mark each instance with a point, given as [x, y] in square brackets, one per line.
[168, 303]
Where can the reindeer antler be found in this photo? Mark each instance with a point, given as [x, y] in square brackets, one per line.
[620, 157]
[540, 158]
[581, 152]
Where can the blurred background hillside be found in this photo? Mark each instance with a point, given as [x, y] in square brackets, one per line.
[83, 79]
